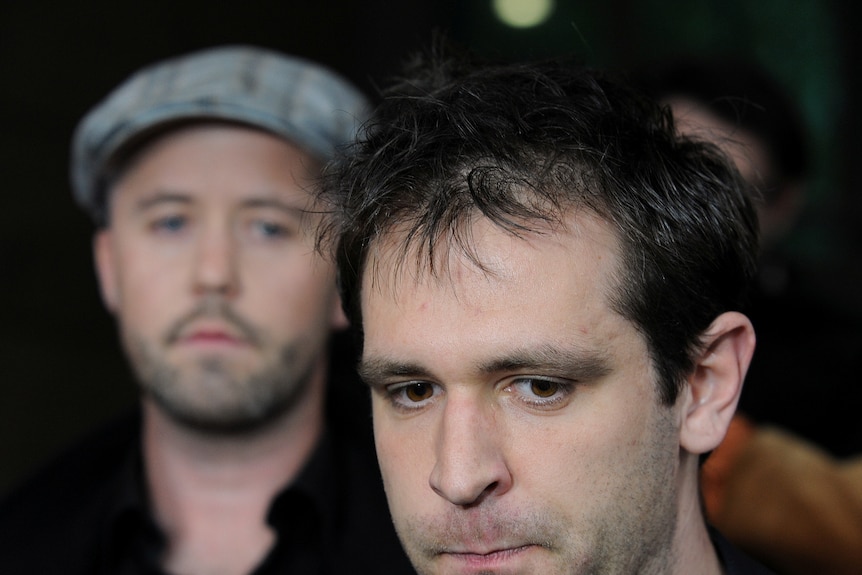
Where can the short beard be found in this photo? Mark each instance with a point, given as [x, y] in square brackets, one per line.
[212, 400]
[245, 407]
[633, 533]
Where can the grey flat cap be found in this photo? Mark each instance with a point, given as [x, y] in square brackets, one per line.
[294, 98]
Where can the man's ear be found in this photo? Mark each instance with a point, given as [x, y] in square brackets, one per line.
[103, 255]
[713, 389]
[339, 319]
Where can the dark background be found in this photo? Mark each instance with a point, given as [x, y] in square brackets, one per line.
[61, 370]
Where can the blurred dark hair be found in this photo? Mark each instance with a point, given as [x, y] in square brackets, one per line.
[743, 94]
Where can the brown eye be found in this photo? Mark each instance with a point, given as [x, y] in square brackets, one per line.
[544, 393]
[543, 387]
[418, 391]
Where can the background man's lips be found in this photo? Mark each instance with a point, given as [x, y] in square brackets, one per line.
[210, 330]
[212, 335]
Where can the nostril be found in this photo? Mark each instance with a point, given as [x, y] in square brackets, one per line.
[484, 494]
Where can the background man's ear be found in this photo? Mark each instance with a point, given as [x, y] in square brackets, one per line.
[103, 256]
[713, 388]
[339, 320]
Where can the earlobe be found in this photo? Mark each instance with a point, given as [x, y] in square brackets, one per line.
[715, 385]
[103, 257]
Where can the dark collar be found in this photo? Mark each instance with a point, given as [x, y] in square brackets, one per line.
[734, 561]
[302, 514]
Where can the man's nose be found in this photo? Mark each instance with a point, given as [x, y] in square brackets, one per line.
[469, 465]
[216, 262]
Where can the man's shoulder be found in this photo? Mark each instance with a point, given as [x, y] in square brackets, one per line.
[78, 470]
[54, 515]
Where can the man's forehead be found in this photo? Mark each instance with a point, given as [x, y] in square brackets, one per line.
[174, 166]
[481, 251]
[548, 290]
[148, 143]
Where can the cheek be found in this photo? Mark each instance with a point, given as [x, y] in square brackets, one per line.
[300, 287]
[289, 310]
[147, 310]
[583, 452]
[389, 449]
[146, 292]
[405, 457]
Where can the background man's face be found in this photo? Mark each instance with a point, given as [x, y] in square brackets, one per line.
[750, 155]
[516, 415]
[223, 306]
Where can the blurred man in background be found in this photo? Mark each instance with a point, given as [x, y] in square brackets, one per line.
[200, 174]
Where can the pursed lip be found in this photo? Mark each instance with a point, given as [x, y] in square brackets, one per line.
[484, 558]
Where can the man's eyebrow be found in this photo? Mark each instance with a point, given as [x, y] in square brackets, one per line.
[376, 370]
[275, 203]
[169, 197]
[576, 363]
[162, 197]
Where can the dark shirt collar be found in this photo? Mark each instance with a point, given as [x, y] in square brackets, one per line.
[130, 530]
[734, 561]
[302, 514]
[316, 484]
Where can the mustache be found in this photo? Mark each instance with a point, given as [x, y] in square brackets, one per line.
[214, 308]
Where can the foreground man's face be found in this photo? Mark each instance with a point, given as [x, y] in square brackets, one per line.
[516, 415]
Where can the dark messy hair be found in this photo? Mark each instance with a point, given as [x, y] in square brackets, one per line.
[523, 144]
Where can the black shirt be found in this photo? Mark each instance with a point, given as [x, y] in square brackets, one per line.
[88, 514]
[734, 561]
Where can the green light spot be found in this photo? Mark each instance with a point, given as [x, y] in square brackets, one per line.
[523, 13]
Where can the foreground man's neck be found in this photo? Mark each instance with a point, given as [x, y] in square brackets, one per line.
[694, 551]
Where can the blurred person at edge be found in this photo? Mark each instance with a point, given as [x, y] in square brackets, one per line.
[548, 305]
[200, 172]
[775, 486]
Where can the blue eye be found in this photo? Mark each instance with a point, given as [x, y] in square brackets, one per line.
[170, 224]
[271, 229]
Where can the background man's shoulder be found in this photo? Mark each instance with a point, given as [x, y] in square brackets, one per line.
[52, 522]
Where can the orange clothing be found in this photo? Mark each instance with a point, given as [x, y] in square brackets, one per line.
[785, 501]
